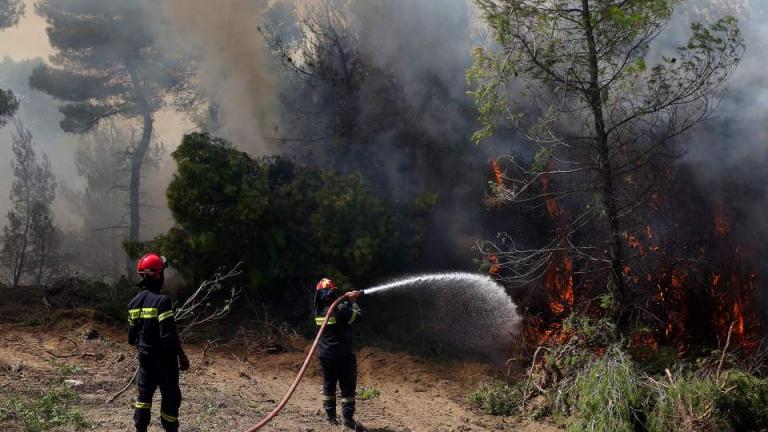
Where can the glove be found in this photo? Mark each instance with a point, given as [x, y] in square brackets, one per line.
[354, 295]
[183, 362]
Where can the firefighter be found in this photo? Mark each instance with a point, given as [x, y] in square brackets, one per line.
[152, 329]
[337, 358]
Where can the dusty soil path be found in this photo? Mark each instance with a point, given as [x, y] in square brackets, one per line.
[227, 390]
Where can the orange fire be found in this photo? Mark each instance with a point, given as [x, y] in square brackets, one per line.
[497, 173]
[721, 222]
[558, 279]
[552, 208]
[558, 282]
[493, 264]
[733, 293]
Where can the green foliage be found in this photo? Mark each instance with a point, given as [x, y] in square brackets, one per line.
[743, 403]
[106, 62]
[52, 409]
[611, 391]
[497, 398]
[368, 393]
[9, 103]
[605, 395]
[11, 12]
[290, 225]
[682, 406]
[64, 369]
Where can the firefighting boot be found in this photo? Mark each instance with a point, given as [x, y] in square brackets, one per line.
[330, 418]
[329, 405]
[351, 424]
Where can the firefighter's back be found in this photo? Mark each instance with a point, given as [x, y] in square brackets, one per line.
[145, 312]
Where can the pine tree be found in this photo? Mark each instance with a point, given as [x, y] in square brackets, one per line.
[29, 241]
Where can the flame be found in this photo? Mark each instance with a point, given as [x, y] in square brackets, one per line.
[493, 264]
[497, 175]
[558, 279]
[552, 208]
[738, 319]
[634, 242]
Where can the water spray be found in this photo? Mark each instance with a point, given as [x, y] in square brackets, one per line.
[493, 300]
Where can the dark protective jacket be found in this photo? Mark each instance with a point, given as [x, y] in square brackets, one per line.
[151, 327]
[337, 338]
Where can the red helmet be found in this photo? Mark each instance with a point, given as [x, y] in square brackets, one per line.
[150, 264]
[325, 283]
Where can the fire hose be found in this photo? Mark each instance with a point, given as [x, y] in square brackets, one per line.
[303, 369]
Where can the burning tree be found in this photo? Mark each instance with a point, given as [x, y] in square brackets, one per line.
[604, 122]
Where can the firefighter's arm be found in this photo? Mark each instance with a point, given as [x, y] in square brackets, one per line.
[133, 328]
[168, 335]
[348, 313]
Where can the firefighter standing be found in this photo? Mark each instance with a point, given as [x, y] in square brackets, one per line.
[152, 330]
[337, 358]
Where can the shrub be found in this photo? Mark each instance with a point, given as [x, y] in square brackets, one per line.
[497, 398]
[743, 403]
[688, 404]
[605, 396]
[49, 410]
[368, 393]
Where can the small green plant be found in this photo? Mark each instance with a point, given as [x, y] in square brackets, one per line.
[368, 393]
[497, 398]
[47, 411]
[210, 410]
[64, 369]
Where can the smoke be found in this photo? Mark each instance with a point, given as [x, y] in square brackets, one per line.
[224, 35]
[728, 154]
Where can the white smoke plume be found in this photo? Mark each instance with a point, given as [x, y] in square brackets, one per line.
[224, 36]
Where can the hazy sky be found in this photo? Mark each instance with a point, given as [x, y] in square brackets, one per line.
[28, 41]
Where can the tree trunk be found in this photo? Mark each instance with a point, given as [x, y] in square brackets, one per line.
[604, 165]
[22, 252]
[41, 266]
[137, 161]
[137, 158]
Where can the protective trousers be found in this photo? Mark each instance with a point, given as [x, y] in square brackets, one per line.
[158, 371]
[341, 370]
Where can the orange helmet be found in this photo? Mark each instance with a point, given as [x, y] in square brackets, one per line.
[150, 264]
[325, 283]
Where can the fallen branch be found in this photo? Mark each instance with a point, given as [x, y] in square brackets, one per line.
[725, 350]
[124, 389]
[81, 355]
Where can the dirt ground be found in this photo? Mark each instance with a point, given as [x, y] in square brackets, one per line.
[228, 389]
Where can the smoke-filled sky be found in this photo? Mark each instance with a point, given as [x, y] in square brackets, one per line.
[427, 39]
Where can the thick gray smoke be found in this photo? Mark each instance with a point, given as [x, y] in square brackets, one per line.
[232, 75]
[728, 154]
[423, 48]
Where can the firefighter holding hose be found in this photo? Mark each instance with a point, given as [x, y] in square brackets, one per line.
[337, 357]
[152, 329]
